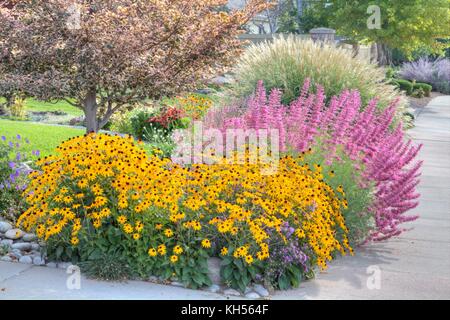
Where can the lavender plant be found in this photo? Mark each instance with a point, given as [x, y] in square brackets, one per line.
[436, 73]
[15, 165]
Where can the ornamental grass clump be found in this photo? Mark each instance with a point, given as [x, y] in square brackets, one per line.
[378, 148]
[286, 62]
[102, 193]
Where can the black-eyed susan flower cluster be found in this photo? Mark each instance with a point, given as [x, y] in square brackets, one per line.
[194, 105]
[166, 214]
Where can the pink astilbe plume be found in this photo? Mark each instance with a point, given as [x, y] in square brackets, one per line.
[364, 133]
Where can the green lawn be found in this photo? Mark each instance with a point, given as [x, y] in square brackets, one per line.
[42, 137]
[38, 106]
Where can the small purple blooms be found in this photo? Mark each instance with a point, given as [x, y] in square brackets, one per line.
[35, 153]
[14, 173]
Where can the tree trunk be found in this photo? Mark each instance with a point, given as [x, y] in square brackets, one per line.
[90, 111]
[384, 54]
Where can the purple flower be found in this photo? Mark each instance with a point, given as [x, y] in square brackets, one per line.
[3, 138]
[18, 137]
[10, 144]
[12, 165]
[18, 156]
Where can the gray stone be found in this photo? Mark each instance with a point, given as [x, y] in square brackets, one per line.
[14, 234]
[213, 288]
[28, 237]
[38, 261]
[252, 295]
[26, 260]
[177, 284]
[6, 242]
[6, 259]
[259, 289]
[5, 226]
[64, 265]
[51, 264]
[231, 292]
[16, 253]
[214, 270]
[35, 247]
[22, 246]
[153, 279]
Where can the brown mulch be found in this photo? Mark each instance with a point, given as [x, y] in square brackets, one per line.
[417, 103]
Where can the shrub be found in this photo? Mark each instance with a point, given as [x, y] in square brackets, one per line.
[101, 193]
[17, 109]
[13, 175]
[436, 73]
[138, 121]
[287, 62]
[194, 106]
[404, 85]
[426, 88]
[365, 136]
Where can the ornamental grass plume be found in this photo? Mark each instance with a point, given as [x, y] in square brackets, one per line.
[364, 133]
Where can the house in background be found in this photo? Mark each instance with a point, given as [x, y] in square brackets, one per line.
[259, 24]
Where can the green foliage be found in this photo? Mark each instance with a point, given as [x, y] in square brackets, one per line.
[43, 137]
[236, 274]
[391, 73]
[424, 87]
[404, 85]
[109, 266]
[406, 25]
[360, 195]
[17, 110]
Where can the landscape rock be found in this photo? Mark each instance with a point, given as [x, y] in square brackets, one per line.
[231, 292]
[22, 246]
[52, 265]
[153, 279]
[177, 284]
[259, 289]
[6, 259]
[5, 226]
[6, 242]
[64, 265]
[29, 237]
[38, 261]
[252, 295]
[26, 260]
[213, 288]
[35, 246]
[16, 253]
[14, 234]
[214, 270]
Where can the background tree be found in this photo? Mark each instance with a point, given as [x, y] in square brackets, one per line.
[102, 55]
[406, 25]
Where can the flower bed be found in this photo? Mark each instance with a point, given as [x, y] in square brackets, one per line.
[379, 151]
[101, 196]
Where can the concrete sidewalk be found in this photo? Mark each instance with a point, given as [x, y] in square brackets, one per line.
[415, 265]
